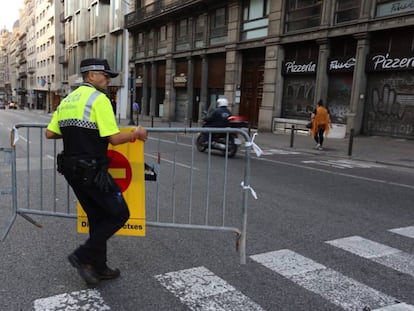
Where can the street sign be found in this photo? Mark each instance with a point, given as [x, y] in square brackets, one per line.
[127, 169]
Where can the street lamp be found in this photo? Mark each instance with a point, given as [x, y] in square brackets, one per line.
[48, 95]
[131, 91]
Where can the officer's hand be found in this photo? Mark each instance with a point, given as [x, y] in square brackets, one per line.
[141, 133]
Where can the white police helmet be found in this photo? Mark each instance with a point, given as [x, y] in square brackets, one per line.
[222, 102]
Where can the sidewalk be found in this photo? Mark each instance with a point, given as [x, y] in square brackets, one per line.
[384, 150]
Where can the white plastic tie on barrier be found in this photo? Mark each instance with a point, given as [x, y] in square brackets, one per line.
[256, 148]
[249, 188]
[15, 135]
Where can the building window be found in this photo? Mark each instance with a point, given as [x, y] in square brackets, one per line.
[391, 7]
[255, 19]
[302, 14]
[163, 33]
[139, 49]
[347, 10]
[140, 39]
[218, 28]
[183, 35]
[200, 29]
[182, 28]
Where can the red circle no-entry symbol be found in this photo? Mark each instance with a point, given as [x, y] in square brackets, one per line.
[120, 169]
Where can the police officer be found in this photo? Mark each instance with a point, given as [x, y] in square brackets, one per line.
[86, 122]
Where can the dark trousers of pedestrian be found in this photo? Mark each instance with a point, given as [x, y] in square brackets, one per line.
[319, 136]
[107, 212]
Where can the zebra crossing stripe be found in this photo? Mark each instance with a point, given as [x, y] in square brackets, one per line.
[406, 231]
[90, 300]
[200, 289]
[397, 307]
[388, 256]
[338, 289]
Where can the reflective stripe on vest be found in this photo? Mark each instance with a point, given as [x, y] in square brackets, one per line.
[88, 107]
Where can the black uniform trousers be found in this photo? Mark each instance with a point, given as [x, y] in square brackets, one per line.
[107, 212]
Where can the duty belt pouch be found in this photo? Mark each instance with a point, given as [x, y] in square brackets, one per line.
[103, 181]
[87, 171]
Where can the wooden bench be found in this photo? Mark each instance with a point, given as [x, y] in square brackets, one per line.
[283, 125]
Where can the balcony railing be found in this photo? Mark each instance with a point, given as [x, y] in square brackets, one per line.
[148, 12]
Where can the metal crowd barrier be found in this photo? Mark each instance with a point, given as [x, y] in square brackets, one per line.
[191, 191]
[7, 186]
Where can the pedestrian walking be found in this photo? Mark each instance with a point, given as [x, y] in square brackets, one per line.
[321, 123]
[135, 109]
[86, 122]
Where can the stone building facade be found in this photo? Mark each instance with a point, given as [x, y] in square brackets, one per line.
[277, 58]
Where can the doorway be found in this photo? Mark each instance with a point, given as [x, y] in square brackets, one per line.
[252, 84]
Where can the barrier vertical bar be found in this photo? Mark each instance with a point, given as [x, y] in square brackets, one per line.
[14, 193]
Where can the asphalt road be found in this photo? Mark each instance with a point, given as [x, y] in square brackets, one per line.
[324, 234]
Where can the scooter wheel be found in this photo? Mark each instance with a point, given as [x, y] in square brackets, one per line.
[200, 146]
[232, 150]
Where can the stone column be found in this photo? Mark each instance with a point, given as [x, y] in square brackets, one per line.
[321, 91]
[359, 84]
[153, 88]
[231, 76]
[272, 87]
[169, 100]
[190, 88]
[233, 59]
[144, 89]
[204, 86]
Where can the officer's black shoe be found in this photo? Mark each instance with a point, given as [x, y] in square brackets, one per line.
[108, 274]
[87, 272]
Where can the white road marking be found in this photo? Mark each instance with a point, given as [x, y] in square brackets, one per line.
[355, 163]
[90, 300]
[397, 307]
[344, 163]
[278, 151]
[338, 289]
[406, 231]
[382, 181]
[172, 162]
[200, 289]
[169, 142]
[388, 256]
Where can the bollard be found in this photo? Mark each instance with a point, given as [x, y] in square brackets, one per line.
[249, 130]
[292, 136]
[152, 121]
[351, 141]
[190, 123]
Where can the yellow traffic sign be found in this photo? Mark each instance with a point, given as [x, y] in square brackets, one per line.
[127, 169]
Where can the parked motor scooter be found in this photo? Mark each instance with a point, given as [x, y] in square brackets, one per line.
[219, 141]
